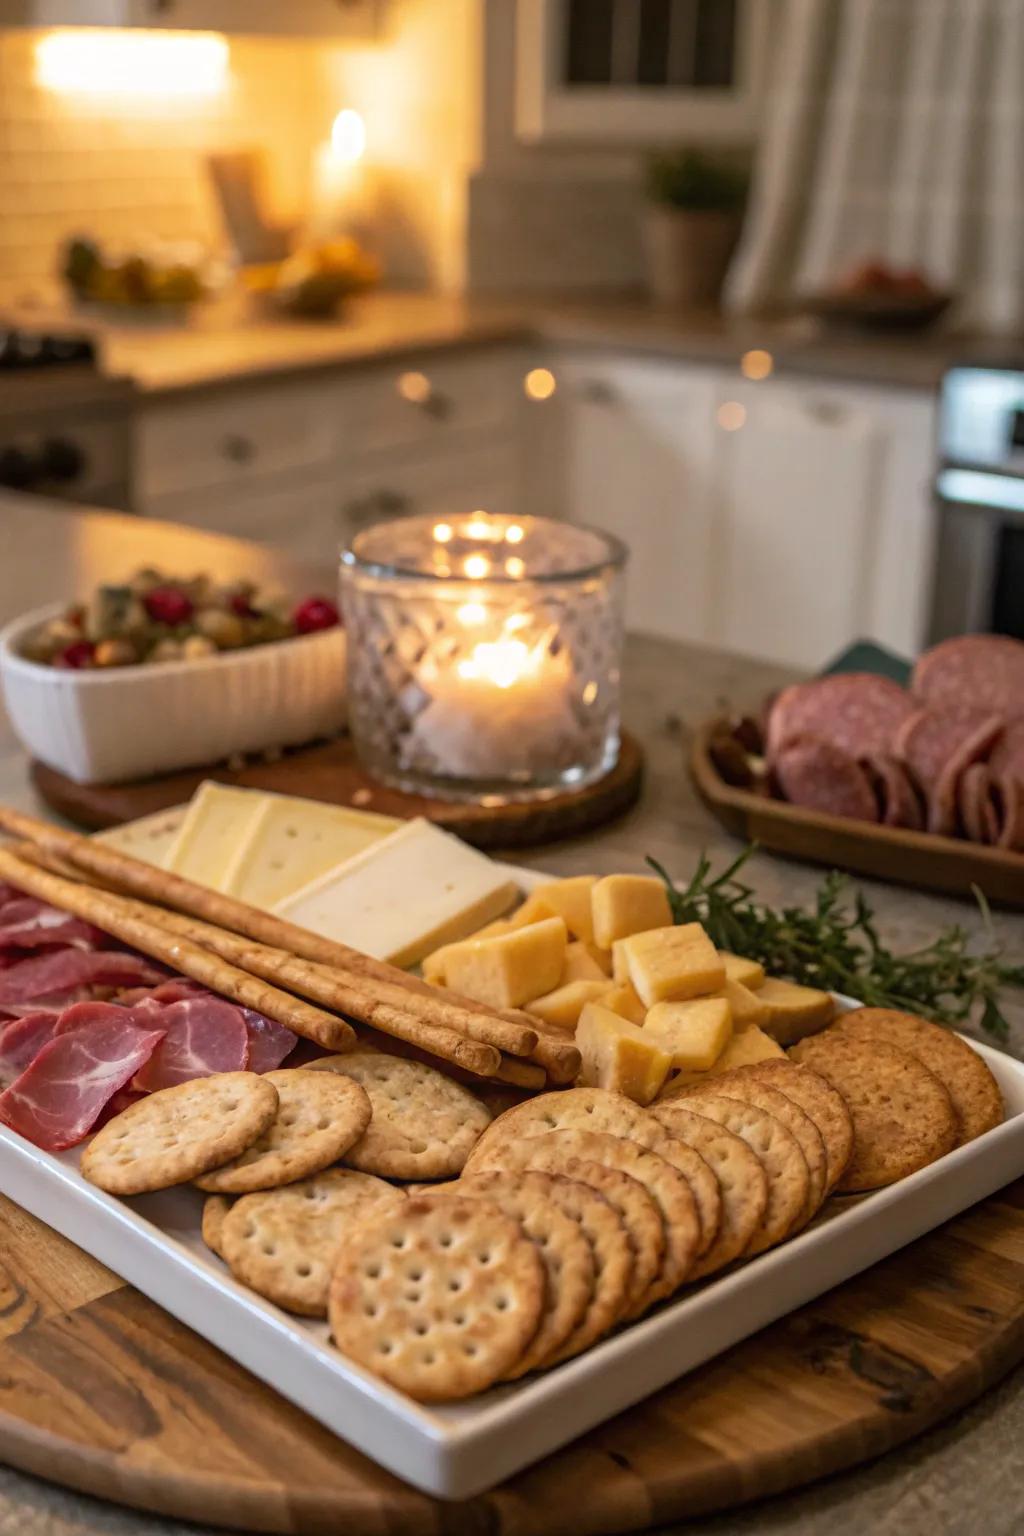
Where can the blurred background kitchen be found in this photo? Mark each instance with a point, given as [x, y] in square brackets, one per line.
[740, 281]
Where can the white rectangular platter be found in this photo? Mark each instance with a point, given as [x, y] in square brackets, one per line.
[455, 1452]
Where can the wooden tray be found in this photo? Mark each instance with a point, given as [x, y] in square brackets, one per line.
[103, 1392]
[921, 859]
[331, 772]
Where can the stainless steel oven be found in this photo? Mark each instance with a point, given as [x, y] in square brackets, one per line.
[979, 570]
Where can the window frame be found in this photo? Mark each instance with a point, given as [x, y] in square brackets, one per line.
[549, 112]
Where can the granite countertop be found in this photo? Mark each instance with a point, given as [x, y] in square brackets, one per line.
[963, 1476]
[225, 343]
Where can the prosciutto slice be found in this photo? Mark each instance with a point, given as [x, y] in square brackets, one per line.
[21, 1040]
[26, 923]
[64, 970]
[59, 1097]
[201, 1036]
[269, 1042]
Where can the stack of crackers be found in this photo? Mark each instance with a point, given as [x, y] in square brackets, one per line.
[450, 1251]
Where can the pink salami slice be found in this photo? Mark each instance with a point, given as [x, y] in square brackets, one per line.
[1008, 797]
[985, 671]
[898, 800]
[973, 803]
[59, 1097]
[1007, 756]
[819, 775]
[936, 745]
[858, 712]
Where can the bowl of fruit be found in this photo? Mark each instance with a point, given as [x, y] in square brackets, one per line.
[164, 671]
[161, 283]
[876, 296]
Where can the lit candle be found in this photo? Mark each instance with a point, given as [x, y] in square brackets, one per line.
[341, 194]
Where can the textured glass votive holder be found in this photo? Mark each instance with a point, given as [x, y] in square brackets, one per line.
[484, 654]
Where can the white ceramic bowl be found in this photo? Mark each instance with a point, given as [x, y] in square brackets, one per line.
[105, 727]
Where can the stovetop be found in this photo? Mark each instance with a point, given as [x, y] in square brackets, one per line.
[32, 351]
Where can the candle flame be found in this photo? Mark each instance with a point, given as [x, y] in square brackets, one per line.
[514, 535]
[348, 136]
[477, 567]
[472, 613]
[501, 662]
[443, 533]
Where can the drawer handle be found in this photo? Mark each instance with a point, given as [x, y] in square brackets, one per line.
[417, 389]
[373, 507]
[239, 449]
[597, 392]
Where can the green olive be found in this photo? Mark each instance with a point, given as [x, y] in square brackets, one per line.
[197, 646]
[115, 653]
[226, 630]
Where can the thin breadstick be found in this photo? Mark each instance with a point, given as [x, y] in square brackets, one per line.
[521, 1074]
[558, 1055]
[102, 909]
[507, 1033]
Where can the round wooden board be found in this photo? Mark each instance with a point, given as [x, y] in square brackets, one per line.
[103, 1392]
[331, 772]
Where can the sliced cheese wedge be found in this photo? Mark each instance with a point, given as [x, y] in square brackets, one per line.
[217, 825]
[404, 896]
[294, 842]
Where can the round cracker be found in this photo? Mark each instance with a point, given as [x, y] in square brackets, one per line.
[903, 1118]
[282, 1243]
[584, 1109]
[817, 1098]
[215, 1208]
[779, 1153]
[741, 1178]
[700, 1176]
[529, 1197]
[612, 1253]
[964, 1074]
[317, 1120]
[424, 1125]
[800, 1126]
[440, 1298]
[178, 1133]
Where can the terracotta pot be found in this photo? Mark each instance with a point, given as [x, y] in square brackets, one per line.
[688, 254]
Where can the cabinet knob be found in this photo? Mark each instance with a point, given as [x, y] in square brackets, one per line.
[374, 507]
[597, 392]
[239, 449]
[417, 389]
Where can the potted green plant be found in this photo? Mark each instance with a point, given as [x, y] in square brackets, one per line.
[692, 225]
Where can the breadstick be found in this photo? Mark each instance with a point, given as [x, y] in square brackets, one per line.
[102, 909]
[506, 1032]
[521, 1074]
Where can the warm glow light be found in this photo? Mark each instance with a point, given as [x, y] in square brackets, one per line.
[443, 533]
[515, 567]
[416, 388]
[756, 364]
[731, 415]
[111, 62]
[348, 136]
[501, 662]
[590, 693]
[477, 567]
[539, 384]
[514, 535]
[472, 613]
[517, 621]
[478, 529]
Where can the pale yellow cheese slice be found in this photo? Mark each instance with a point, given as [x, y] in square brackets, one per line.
[511, 969]
[619, 1056]
[625, 904]
[218, 823]
[675, 962]
[406, 895]
[149, 838]
[295, 842]
[694, 1033]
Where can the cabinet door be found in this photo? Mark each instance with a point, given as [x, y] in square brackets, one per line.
[302, 520]
[484, 479]
[637, 457]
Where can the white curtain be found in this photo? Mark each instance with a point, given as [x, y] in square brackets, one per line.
[894, 128]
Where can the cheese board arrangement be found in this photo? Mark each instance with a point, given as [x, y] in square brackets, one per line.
[462, 1213]
[922, 784]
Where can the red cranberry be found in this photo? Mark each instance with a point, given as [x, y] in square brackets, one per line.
[76, 617]
[241, 604]
[168, 605]
[79, 654]
[315, 613]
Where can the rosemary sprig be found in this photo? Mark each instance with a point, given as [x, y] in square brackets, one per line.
[835, 944]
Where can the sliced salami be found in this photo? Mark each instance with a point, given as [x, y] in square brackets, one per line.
[858, 712]
[817, 774]
[936, 745]
[898, 801]
[1008, 798]
[1007, 756]
[974, 803]
[984, 671]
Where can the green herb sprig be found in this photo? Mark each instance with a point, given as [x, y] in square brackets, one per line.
[835, 944]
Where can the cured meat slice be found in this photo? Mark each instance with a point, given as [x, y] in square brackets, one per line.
[819, 775]
[1008, 798]
[937, 744]
[974, 803]
[21, 1040]
[66, 969]
[898, 801]
[26, 923]
[202, 1035]
[985, 671]
[59, 1097]
[1007, 756]
[858, 712]
[269, 1042]
[54, 1002]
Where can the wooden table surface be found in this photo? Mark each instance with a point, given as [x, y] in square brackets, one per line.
[960, 1479]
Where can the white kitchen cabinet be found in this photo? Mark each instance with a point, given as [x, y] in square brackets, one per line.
[270, 18]
[633, 453]
[823, 519]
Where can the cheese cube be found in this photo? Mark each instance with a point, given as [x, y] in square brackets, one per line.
[570, 899]
[603, 958]
[749, 973]
[580, 964]
[746, 1047]
[433, 965]
[625, 904]
[624, 1001]
[620, 961]
[619, 1056]
[563, 1006]
[533, 910]
[513, 968]
[794, 1011]
[669, 963]
[694, 1033]
[746, 1006]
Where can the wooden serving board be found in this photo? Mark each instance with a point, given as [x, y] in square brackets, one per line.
[920, 859]
[103, 1392]
[331, 772]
